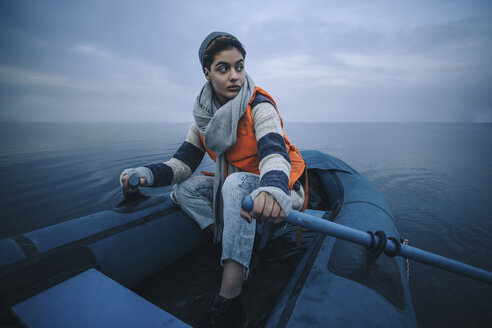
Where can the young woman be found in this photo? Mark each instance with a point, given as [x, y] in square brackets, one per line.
[239, 126]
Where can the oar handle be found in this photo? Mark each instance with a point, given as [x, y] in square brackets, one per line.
[132, 194]
[247, 203]
[134, 181]
[363, 238]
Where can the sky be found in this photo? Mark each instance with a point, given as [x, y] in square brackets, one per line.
[322, 61]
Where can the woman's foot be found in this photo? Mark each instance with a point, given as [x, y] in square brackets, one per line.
[226, 312]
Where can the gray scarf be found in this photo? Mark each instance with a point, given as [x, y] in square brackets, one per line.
[218, 127]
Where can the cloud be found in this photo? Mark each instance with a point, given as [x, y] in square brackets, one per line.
[338, 61]
[116, 89]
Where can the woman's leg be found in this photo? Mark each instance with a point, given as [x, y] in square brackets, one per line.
[195, 196]
[238, 236]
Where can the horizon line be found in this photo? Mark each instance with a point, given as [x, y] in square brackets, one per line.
[189, 122]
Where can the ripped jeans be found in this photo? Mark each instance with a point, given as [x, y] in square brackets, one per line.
[195, 196]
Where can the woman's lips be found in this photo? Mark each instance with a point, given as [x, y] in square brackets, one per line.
[233, 88]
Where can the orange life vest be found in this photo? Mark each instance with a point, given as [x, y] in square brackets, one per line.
[244, 154]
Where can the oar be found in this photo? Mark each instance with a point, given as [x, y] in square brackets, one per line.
[364, 238]
[134, 195]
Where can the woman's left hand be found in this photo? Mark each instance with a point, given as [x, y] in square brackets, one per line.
[265, 208]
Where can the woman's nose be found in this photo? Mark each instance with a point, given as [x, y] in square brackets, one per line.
[234, 75]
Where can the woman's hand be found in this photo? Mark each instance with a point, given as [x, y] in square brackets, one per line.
[126, 187]
[265, 208]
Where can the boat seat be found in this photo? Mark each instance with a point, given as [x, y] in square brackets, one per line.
[91, 299]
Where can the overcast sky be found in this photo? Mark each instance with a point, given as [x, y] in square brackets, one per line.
[331, 61]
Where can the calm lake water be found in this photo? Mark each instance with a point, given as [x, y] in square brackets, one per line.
[437, 179]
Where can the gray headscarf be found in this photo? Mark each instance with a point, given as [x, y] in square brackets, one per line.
[206, 42]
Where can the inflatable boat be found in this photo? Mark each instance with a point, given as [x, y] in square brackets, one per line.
[80, 273]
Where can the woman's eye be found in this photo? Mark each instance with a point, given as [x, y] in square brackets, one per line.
[240, 68]
[222, 69]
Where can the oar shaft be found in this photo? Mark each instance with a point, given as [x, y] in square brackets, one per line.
[363, 238]
[445, 263]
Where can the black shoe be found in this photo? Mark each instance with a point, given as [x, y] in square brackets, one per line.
[227, 313]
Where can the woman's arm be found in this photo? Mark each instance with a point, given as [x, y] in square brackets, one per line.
[272, 199]
[179, 168]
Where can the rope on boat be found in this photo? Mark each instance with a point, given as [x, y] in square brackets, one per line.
[407, 263]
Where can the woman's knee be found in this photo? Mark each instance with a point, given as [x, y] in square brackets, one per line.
[181, 191]
[192, 187]
[240, 183]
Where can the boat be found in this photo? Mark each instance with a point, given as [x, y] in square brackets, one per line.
[84, 272]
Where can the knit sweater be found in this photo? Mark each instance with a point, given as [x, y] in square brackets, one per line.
[274, 163]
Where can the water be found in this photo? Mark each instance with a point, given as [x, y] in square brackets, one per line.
[437, 179]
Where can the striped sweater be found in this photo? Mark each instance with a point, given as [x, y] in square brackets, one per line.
[274, 162]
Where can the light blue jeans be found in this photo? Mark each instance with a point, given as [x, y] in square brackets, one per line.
[195, 196]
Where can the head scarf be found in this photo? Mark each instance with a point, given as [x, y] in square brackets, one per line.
[207, 40]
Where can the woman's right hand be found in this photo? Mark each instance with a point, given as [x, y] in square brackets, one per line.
[126, 187]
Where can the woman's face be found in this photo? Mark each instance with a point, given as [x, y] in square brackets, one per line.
[226, 74]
